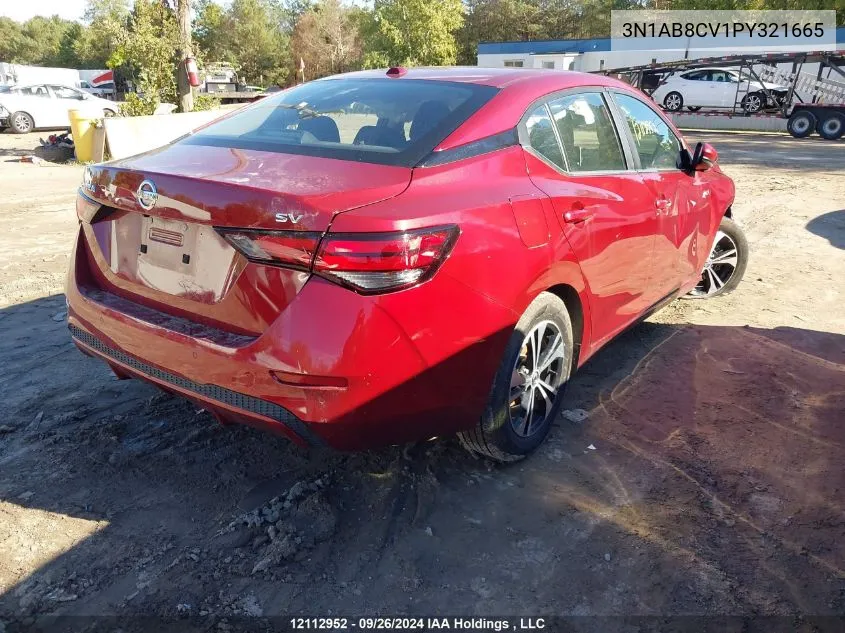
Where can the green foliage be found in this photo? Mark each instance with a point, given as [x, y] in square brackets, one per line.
[412, 33]
[37, 41]
[327, 39]
[146, 51]
[138, 105]
[203, 101]
[250, 34]
[106, 27]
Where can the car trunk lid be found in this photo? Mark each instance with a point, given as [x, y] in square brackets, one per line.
[158, 231]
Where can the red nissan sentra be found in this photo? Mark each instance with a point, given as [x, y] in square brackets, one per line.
[381, 257]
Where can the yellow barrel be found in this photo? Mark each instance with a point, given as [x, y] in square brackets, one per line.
[82, 128]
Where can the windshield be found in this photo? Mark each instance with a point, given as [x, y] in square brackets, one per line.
[386, 121]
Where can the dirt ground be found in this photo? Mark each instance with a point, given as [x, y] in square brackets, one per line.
[716, 486]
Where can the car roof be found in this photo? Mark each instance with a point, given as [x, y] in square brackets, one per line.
[496, 77]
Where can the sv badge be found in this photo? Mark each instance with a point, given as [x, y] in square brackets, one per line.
[289, 217]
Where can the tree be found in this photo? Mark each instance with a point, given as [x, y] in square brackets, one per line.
[210, 33]
[259, 46]
[413, 33]
[146, 53]
[183, 53]
[327, 38]
[106, 27]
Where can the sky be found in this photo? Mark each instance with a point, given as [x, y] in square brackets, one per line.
[22, 11]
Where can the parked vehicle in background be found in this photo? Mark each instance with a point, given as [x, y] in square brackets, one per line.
[716, 88]
[24, 75]
[104, 90]
[440, 261]
[222, 81]
[26, 108]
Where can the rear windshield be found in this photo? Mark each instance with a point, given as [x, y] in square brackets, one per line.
[386, 121]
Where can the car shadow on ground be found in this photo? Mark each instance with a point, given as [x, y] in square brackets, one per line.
[830, 226]
[706, 479]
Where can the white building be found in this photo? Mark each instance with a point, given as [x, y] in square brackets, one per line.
[595, 54]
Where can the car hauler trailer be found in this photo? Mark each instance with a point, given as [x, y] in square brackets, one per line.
[812, 102]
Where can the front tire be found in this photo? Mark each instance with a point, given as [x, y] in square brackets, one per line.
[725, 264]
[21, 122]
[753, 102]
[673, 101]
[528, 388]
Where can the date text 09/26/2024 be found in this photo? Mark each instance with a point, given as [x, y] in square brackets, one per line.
[419, 624]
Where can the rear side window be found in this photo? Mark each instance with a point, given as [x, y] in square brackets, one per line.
[542, 138]
[387, 121]
[657, 146]
[586, 130]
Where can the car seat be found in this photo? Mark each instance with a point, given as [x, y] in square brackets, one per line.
[323, 128]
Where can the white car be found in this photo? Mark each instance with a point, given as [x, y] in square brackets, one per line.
[25, 108]
[716, 88]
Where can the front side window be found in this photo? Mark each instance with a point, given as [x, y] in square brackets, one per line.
[541, 136]
[656, 144]
[697, 75]
[385, 121]
[586, 130]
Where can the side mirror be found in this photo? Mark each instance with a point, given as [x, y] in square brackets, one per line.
[705, 158]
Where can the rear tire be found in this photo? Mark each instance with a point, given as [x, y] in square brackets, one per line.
[801, 124]
[693, 108]
[673, 102]
[832, 126]
[539, 355]
[21, 123]
[726, 262]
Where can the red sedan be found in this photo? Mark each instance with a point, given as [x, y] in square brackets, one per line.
[381, 257]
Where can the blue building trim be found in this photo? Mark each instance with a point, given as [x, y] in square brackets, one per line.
[540, 47]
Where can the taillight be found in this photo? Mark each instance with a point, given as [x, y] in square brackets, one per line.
[377, 262]
[292, 249]
[366, 262]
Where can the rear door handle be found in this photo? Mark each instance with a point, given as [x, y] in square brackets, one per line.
[663, 204]
[577, 214]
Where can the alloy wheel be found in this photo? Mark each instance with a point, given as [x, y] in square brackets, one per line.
[536, 378]
[720, 267]
[22, 123]
[753, 103]
[673, 102]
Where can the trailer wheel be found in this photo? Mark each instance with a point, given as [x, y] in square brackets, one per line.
[673, 101]
[801, 124]
[832, 126]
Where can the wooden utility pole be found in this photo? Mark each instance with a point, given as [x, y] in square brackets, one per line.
[183, 86]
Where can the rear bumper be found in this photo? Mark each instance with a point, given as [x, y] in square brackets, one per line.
[333, 368]
[224, 403]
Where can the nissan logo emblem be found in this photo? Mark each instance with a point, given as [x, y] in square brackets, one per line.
[147, 195]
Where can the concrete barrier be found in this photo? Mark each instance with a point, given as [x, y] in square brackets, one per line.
[127, 136]
[760, 123]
